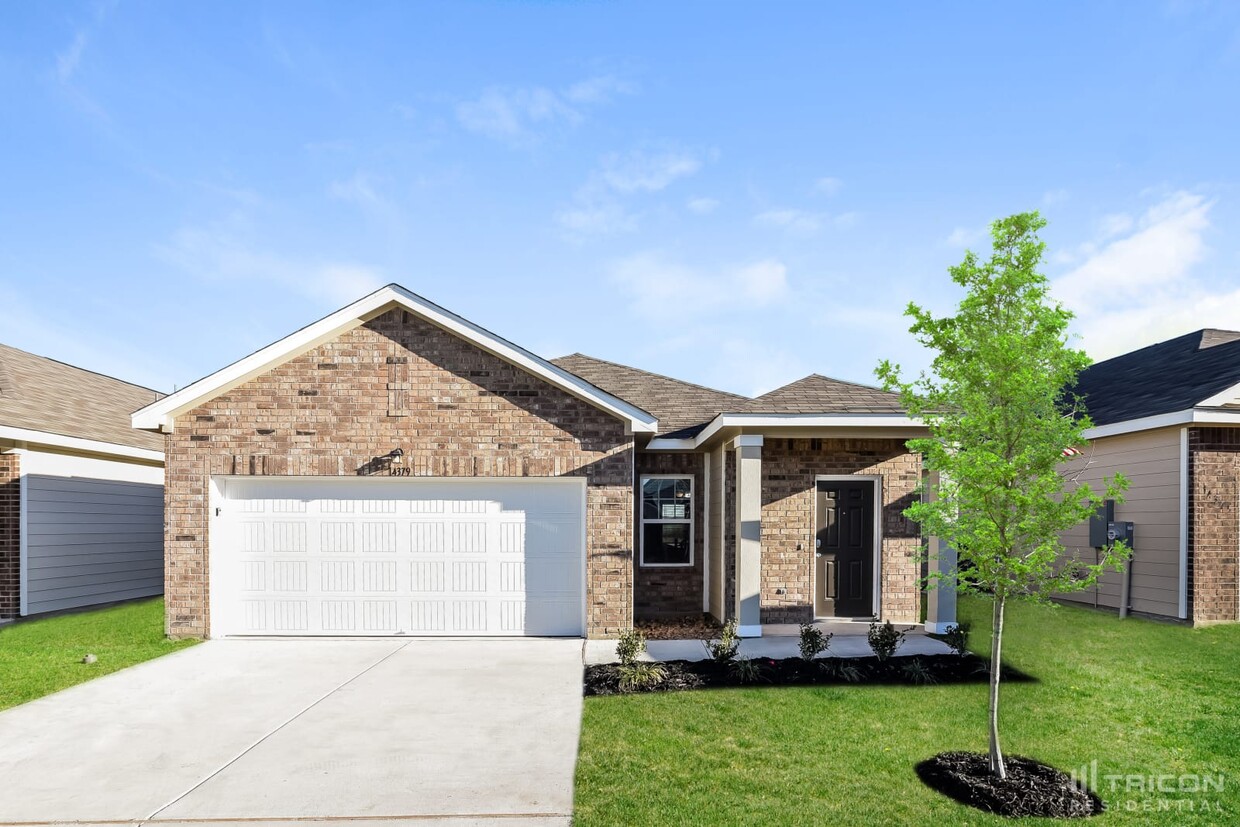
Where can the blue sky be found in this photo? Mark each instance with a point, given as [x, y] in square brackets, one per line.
[737, 195]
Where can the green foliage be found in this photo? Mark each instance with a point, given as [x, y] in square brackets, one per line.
[957, 637]
[725, 648]
[1001, 411]
[745, 670]
[636, 675]
[885, 639]
[917, 672]
[813, 641]
[630, 645]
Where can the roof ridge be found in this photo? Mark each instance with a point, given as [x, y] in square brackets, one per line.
[81, 369]
[829, 379]
[652, 373]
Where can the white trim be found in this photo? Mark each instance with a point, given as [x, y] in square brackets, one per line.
[1190, 416]
[161, 415]
[705, 533]
[940, 628]
[748, 441]
[723, 534]
[877, 480]
[92, 446]
[733, 420]
[1182, 610]
[641, 522]
[749, 631]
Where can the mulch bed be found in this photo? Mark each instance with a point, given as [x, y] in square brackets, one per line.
[604, 679]
[694, 627]
[1031, 789]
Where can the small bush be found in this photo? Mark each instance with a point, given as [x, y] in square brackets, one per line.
[724, 649]
[630, 645]
[640, 675]
[957, 637]
[745, 670]
[917, 672]
[884, 639]
[813, 641]
[847, 672]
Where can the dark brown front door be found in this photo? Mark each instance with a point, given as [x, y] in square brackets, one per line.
[844, 550]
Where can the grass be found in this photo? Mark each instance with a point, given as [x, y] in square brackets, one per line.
[1139, 697]
[38, 657]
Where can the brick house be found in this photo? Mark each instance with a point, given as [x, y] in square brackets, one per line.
[396, 469]
[1167, 416]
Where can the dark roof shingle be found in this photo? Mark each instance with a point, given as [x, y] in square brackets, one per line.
[41, 394]
[1170, 376]
[816, 394]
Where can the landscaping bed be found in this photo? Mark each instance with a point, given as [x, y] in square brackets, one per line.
[1031, 789]
[681, 675]
[693, 627]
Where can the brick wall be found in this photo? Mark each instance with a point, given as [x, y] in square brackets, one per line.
[664, 592]
[399, 381]
[1214, 524]
[10, 539]
[789, 467]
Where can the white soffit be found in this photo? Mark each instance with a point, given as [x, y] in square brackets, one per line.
[162, 414]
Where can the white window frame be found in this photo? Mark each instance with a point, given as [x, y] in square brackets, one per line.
[642, 520]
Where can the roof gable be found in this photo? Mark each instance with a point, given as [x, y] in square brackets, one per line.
[47, 396]
[1199, 369]
[161, 415]
[817, 394]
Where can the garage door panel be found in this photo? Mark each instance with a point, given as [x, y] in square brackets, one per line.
[376, 557]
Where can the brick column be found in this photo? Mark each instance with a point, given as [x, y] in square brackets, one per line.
[10, 535]
[749, 535]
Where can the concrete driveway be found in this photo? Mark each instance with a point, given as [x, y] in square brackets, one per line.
[283, 732]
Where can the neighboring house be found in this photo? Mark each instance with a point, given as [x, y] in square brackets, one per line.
[396, 469]
[81, 492]
[1167, 416]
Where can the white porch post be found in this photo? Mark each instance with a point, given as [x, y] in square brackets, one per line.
[940, 594]
[749, 535]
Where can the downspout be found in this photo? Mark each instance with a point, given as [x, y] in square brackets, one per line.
[1127, 590]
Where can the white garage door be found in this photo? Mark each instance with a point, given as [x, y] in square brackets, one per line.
[394, 556]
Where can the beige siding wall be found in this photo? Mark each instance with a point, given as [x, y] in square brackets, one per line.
[1151, 462]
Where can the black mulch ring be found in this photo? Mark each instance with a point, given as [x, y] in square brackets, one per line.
[1030, 789]
[604, 679]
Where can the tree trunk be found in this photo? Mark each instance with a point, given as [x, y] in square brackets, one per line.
[997, 765]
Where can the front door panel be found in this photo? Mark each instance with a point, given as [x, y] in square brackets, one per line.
[844, 549]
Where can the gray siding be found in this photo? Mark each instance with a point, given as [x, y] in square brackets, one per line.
[91, 541]
[1151, 462]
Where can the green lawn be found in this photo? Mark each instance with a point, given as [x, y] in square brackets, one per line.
[1139, 697]
[39, 657]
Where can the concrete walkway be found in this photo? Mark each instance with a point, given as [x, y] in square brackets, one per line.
[277, 731]
[848, 641]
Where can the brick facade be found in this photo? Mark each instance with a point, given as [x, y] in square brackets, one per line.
[1214, 524]
[398, 381]
[789, 468]
[665, 591]
[10, 535]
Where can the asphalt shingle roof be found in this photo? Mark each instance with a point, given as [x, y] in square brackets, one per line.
[816, 394]
[1164, 378]
[41, 394]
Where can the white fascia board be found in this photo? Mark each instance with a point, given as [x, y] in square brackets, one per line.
[92, 446]
[1192, 416]
[775, 421]
[162, 414]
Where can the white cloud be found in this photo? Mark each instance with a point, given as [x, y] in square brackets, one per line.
[964, 237]
[220, 253]
[702, 206]
[67, 62]
[802, 222]
[639, 171]
[1052, 197]
[518, 115]
[596, 217]
[659, 288]
[828, 186]
[358, 189]
[1142, 286]
[1114, 224]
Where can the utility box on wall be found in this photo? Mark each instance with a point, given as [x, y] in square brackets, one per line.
[1120, 531]
[1100, 525]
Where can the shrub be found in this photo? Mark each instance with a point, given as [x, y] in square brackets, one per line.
[745, 670]
[813, 641]
[957, 637]
[884, 639]
[630, 645]
[640, 675]
[724, 649]
[918, 672]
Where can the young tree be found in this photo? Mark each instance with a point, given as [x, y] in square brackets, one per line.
[1002, 416]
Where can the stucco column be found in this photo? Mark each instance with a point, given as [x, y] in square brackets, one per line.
[940, 592]
[749, 535]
